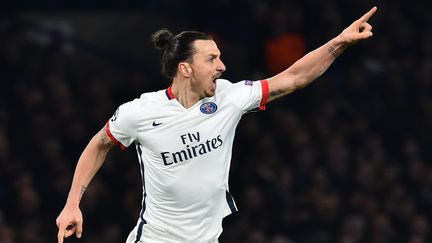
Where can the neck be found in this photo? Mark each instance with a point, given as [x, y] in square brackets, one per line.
[184, 93]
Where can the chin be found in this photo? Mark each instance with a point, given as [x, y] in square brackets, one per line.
[211, 92]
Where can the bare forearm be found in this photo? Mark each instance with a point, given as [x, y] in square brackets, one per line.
[306, 69]
[315, 63]
[88, 164]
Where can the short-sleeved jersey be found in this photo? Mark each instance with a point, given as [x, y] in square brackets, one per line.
[184, 156]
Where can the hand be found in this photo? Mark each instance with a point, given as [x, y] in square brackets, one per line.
[69, 221]
[358, 30]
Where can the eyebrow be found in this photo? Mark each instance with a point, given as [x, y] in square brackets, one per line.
[213, 55]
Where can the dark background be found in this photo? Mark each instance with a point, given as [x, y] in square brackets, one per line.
[344, 160]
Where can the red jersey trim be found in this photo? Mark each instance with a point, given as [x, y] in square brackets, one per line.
[265, 94]
[113, 139]
[169, 93]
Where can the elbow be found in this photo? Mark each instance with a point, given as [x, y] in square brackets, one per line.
[301, 82]
[101, 142]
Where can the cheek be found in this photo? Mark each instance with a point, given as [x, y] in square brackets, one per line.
[204, 73]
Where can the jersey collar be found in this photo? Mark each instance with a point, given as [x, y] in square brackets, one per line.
[169, 93]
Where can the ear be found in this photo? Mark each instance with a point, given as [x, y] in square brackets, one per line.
[185, 69]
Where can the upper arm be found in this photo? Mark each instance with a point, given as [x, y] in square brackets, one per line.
[103, 137]
[281, 84]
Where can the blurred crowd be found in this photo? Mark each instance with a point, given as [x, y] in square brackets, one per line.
[345, 160]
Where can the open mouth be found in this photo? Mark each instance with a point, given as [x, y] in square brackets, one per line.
[214, 80]
[216, 77]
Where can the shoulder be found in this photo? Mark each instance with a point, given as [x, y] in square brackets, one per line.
[145, 100]
[226, 86]
[223, 82]
[155, 96]
[149, 98]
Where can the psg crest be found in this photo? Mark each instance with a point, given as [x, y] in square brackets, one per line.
[208, 108]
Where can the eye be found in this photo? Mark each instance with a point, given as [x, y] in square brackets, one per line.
[212, 58]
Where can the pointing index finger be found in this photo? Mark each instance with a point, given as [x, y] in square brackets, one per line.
[60, 238]
[60, 235]
[369, 14]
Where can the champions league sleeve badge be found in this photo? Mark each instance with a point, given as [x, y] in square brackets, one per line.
[208, 108]
[248, 82]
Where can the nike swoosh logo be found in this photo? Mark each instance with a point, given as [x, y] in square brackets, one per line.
[156, 124]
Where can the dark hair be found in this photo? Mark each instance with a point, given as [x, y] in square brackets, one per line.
[176, 48]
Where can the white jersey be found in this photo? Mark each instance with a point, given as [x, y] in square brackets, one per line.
[184, 156]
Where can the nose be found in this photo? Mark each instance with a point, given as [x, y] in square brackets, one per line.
[221, 66]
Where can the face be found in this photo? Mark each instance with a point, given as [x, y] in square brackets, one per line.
[206, 67]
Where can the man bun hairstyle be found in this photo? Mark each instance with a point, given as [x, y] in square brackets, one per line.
[161, 38]
[176, 48]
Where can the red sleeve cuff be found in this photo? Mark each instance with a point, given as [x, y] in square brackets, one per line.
[265, 94]
[113, 139]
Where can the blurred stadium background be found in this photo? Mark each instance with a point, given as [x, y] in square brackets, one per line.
[346, 160]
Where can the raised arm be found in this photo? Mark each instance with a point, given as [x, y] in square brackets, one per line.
[315, 63]
[70, 220]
